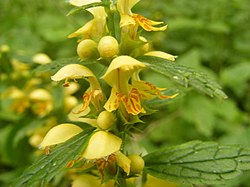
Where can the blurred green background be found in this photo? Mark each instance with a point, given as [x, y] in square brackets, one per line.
[211, 36]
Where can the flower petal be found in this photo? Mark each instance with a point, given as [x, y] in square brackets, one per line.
[125, 6]
[132, 102]
[124, 64]
[149, 91]
[161, 55]
[40, 94]
[77, 114]
[102, 144]
[123, 161]
[72, 71]
[113, 101]
[126, 20]
[86, 180]
[85, 30]
[148, 24]
[82, 2]
[60, 134]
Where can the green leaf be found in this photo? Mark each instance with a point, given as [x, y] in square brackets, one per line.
[78, 9]
[198, 162]
[239, 84]
[201, 112]
[184, 75]
[57, 64]
[45, 168]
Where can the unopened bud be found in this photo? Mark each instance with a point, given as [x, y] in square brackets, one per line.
[41, 58]
[108, 47]
[4, 48]
[105, 120]
[137, 163]
[145, 47]
[35, 140]
[87, 49]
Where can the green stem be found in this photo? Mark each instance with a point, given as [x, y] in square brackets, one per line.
[121, 182]
[110, 18]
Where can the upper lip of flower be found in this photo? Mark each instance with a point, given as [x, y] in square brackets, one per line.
[120, 71]
[94, 27]
[100, 145]
[118, 75]
[76, 71]
[129, 18]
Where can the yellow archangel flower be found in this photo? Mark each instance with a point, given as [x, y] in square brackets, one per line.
[129, 18]
[101, 145]
[95, 27]
[121, 70]
[76, 71]
[41, 102]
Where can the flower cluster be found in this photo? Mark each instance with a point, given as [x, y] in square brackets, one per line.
[109, 112]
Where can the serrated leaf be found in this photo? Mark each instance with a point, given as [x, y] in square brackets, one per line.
[57, 64]
[184, 75]
[45, 168]
[198, 163]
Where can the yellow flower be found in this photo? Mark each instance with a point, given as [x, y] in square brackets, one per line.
[153, 181]
[76, 71]
[70, 101]
[19, 101]
[104, 148]
[41, 102]
[60, 134]
[121, 70]
[41, 58]
[129, 18]
[148, 90]
[87, 180]
[117, 76]
[94, 28]
[101, 147]
[102, 144]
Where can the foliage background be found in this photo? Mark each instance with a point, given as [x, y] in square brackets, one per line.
[210, 36]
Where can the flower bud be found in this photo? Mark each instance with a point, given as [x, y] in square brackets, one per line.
[70, 102]
[35, 140]
[41, 58]
[108, 47]
[145, 47]
[4, 48]
[137, 163]
[87, 49]
[105, 120]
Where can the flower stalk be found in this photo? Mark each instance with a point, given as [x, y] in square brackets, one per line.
[106, 151]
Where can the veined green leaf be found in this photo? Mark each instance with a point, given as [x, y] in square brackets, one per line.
[184, 75]
[57, 64]
[198, 162]
[44, 169]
